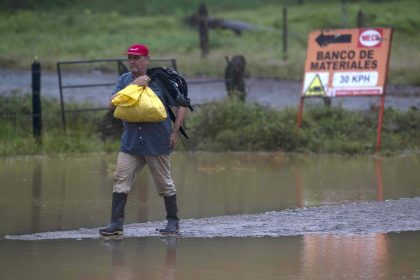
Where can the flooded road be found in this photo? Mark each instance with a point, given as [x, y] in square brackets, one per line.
[375, 257]
[245, 216]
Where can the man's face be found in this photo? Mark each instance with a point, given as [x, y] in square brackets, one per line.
[138, 64]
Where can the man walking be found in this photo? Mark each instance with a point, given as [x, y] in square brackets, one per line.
[145, 144]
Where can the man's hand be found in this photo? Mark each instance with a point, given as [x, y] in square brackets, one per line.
[112, 106]
[179, 119]
[141, 80]
[173, 139]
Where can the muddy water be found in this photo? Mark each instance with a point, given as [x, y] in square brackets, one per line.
[379, 256]
[49, 194]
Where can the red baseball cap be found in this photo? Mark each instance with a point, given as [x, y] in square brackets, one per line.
[137, 49]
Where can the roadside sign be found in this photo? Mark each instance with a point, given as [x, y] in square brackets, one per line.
[347, 62]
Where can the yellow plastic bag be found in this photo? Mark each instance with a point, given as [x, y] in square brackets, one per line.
[138, 104]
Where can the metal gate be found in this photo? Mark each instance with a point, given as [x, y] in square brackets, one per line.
[121, 68]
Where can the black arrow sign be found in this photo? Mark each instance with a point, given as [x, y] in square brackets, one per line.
[324, 40]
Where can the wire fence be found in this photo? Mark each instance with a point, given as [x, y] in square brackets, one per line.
[80, 99]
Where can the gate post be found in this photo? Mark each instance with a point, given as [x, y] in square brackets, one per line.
[36, 99]
[203, 29]
[284, 33]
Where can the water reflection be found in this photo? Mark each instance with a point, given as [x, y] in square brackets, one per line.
[379, 183]
[36, 197]
[123, 270]
[345, 257]
[299, 185]
[309, 257]
[169, 267]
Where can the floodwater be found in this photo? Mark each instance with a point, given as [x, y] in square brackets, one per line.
[245, 216]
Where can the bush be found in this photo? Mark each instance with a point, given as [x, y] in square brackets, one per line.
[237, 126]
[230, 125]
[16, 128]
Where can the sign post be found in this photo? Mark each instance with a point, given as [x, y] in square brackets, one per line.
[347, 62]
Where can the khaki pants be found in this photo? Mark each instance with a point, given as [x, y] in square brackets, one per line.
[129, 165]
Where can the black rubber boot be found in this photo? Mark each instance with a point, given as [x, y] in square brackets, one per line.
[115, 227]
[172, 226]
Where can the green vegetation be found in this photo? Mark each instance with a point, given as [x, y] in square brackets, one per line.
[80, 135]
[236, 126]
[229, 125]
[74, 29]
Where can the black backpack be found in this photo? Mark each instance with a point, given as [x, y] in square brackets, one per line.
[175, 85]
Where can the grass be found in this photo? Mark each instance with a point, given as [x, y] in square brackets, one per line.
[73, 30]
[80, 135]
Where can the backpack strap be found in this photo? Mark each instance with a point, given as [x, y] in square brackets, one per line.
[171, 113]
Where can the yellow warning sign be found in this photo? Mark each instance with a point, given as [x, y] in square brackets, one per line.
[315, 87]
